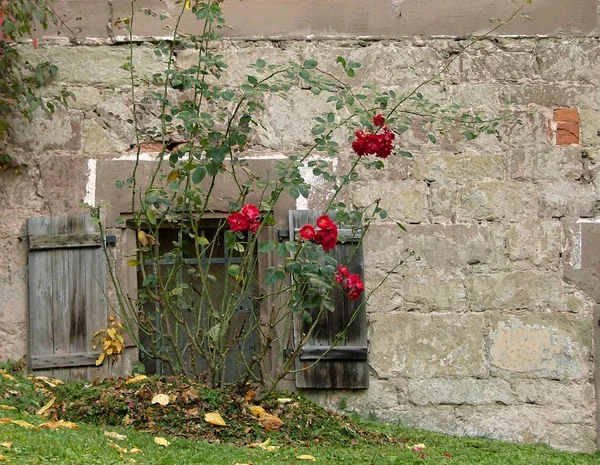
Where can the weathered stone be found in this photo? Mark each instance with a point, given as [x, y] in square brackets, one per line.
[100, 66]
[559, 199]
[554, 346]
[60, 132]
[548, 163]
[495, 200]
[117, 114]
[537, 242]
[63, 183]
[590, 124]
[441, 391]
[514, 290]
[427, 345]
[98, 140]
[486, 66]
[561, 61]
[443, 167]
[556, 394]
[404, 201]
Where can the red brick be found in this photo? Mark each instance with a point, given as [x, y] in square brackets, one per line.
[566, 115]
[567, 133]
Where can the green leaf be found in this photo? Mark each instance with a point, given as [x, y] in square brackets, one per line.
[341, 61]
[401, 226]
[294, 192]
[234, 270]
[469, 135]
[252, 80]
[132, 263]
[330, 117]
[198, 174]
[267, 246]
[151, 217]
[260, 63]
[405, 154]
[201, 240]
[320, 129]
[310, 64]
[350, 72]
[432, 138]
[354, 65]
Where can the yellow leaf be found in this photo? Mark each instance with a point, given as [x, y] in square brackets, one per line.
[45, 408]
[284, 400]
[135, 379]
[3, 458]
[306, 457]
[7, 445]
[7, 407]
[174, 175]
[114, 435]
[100, 359]
[135, 450]
[127, 420]
[161, 399]
[187, 4]
[23, 424]
[264, 445]
[59, 424]
[7, 376]
[132, 262]
[122, 450]
[214, 418]
[143, 238]
[256, 410]
[161, 441]
[270, 422]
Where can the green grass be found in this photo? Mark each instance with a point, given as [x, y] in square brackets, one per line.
[88, 445]
[308, 430]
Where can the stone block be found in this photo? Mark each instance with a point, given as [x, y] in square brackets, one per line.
[590, 125]
[458, 167]
[515, 290]
[554, 346]
[63, 183]
[99, 66]
[427, 345]
[557, 394]
[61, 131]
[561, 61]
[492, 65]
[544, 163]
[537, 242]
[405, 201]
[418, 289]
[98, 140]
[567, 199]
[496, 200]
[469, 391]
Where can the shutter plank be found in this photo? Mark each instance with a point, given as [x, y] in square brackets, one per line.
[61, 328]
[341, 368]
[62, 241]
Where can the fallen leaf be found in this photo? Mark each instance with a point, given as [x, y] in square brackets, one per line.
[264, 445]
[270, 422]
[22, 424]
[192, 412]
[7, 407]
[284, 400]
[135, 450]
[250, 394]
[9, 377]
[214, 418]
[161, 441]
[45, 408]
[45, 380]
[7, 445]
[418, 447]
[3, 458]
[161, 399]
[122, 450]
[114, 435]
[59, 424]
[127, 420]
[256, 410]
[5, 420]
[306, 457]
[136, 379]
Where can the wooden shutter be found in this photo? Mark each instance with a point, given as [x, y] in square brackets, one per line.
[67, 295]
[344, 366]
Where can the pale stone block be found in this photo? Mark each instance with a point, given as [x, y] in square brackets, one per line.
[496, 200]
[590, 125]
[492, 66]
[98, 140]
[545, 163]
[555, 346]
[405, 201]
[459, 167]
[561, 61]
[514, 290]
[559, 199]
[460, 391]
[427, 345]
[555, 394]
[62, 131]
[537, 242]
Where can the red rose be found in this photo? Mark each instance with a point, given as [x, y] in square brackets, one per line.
[354, 282]
[354, 294]
[378, 120]
[250, 211]
[324, 222]
[307, 232]
[379, 145]
[238, 222]
[253, 225]
[326, 239]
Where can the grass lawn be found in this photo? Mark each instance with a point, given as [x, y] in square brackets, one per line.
[308, 431]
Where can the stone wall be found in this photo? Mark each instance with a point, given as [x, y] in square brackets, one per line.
[490, 332]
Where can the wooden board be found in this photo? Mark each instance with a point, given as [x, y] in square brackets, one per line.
[334, 370]
[67, 296]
